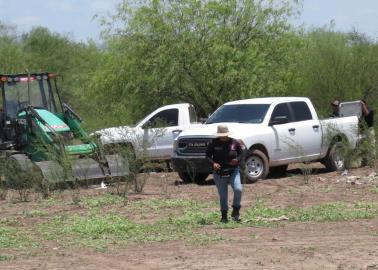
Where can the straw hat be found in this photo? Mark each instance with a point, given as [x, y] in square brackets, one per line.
[222, 131]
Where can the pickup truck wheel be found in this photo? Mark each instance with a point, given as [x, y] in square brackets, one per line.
[198, 178]
[335, 160]
[256, 166]
[279, 171]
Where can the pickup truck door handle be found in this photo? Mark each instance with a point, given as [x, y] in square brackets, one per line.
[291, 129]
[176, 131]
[315, 126]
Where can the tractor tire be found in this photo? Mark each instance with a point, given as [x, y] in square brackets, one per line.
[199, 178]
[20, 173]
[256, 166]
[335, 161]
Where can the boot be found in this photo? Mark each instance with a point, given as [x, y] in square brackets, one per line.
[224, 218]
[236, 214]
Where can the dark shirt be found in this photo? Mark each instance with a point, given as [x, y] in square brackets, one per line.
[334, 115]
[222, 153]
[369, 118]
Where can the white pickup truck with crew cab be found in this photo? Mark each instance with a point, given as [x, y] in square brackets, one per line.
[275, 132]
[153, 136]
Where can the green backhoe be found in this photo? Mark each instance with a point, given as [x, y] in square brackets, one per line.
[41, 139]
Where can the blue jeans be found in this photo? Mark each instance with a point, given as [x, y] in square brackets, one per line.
[222, 185]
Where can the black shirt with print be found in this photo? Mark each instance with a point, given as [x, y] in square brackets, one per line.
[222, 152]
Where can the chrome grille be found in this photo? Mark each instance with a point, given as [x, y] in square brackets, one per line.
[196, 146]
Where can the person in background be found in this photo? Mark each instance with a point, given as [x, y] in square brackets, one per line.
[368, 116]
[335, 109]
[224, 155]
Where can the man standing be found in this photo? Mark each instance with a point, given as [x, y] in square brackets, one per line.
[224, 154]
[368, 115]
[335, 109]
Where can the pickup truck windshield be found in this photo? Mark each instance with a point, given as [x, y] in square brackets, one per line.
[239, 113]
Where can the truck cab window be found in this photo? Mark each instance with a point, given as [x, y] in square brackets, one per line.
[282, 110]
[301, 111]
[166, 118]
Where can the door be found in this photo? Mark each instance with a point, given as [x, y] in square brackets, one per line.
[285, 141]
[308, 130]
[160, 131]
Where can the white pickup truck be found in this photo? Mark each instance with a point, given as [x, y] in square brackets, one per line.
[153, 136]
[275, 131]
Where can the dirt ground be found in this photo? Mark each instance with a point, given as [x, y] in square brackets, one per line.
[289, 245]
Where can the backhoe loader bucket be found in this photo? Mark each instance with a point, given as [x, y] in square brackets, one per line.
[84, 169]
[118, 165]
[52, 172]
[87, 169]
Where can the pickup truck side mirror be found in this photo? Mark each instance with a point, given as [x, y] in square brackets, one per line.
[278, 120]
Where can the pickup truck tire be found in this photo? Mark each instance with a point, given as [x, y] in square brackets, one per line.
[198, 178]
[278, 171]
[335, 160]
[256, 166]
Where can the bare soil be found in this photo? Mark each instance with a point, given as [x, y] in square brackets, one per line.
[289, 245]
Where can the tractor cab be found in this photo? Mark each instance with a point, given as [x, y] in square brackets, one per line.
[40, 133]
[20, 91]
[38, 90]
[32, 113]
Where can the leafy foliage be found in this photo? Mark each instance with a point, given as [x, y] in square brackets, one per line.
[202, 52]
[338, 66]
[42, 50]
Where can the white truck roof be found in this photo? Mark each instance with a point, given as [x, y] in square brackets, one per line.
[173, 106]
[269, 100]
